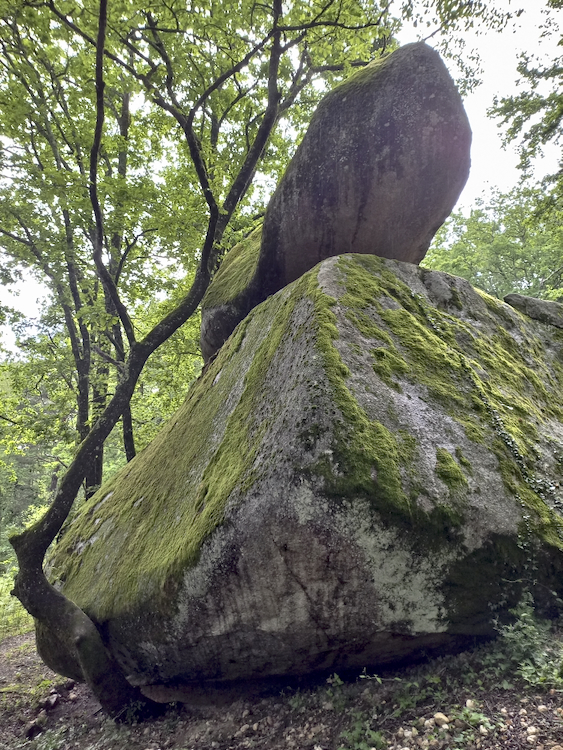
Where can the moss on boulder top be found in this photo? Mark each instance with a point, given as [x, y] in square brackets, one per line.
[237, 271]
[371, 466]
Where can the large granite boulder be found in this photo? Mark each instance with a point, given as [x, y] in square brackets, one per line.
[379, 170]
[370, 467]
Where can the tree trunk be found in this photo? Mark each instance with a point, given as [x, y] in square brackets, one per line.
[128, 437]
[99, 383]
[78, 644]
[86, 655]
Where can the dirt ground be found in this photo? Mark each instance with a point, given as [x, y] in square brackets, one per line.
[452, 702]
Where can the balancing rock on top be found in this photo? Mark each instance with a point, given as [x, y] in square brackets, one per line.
[379, 170]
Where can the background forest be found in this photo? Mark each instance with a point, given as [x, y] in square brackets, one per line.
[138, 143]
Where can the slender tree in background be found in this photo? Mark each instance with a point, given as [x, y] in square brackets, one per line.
[46, 219]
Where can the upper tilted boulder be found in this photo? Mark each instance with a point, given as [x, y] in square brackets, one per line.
[379, 170]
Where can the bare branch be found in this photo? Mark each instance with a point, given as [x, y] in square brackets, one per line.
[128, 247]
[11, 421]
[246, 173]
[15, 237]
[105, 356]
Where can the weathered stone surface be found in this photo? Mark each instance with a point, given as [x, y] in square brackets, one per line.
[379, 170]
[371, 466]
[538, 309]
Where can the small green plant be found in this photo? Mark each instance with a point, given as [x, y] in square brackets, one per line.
[472, 717]
[412, 693]
[335, 681]
[296, 700]
[361, 736]
[366, 676]
[530, 648]
[335, 692]
[14, 620]
[52, 739]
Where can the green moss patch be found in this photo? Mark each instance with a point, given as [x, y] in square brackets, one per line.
[369, 452]
[463, 461]
[448, 470]
[141, 531]
[482, 378]
[236, 271]
[369, 460]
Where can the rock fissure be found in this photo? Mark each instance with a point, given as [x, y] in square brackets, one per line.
[312, 611]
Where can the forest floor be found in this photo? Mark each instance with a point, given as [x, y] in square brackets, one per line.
[475, 699]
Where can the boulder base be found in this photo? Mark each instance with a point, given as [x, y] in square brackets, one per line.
[370, 467]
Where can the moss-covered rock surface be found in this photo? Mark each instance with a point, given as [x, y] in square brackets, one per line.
[370, 467]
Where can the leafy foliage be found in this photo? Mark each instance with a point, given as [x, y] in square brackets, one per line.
[530, 648]
[534, 117]
[505, 245]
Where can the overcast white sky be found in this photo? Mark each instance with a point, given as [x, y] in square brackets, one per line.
[492, 165]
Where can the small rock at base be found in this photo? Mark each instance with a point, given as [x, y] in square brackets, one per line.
[50, 701]
[441, 719]
[32, 730]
